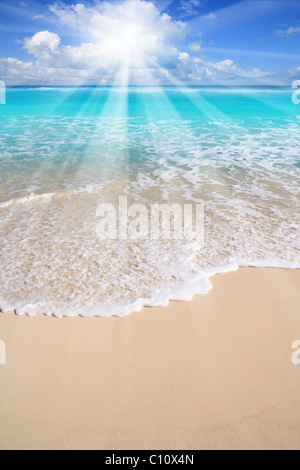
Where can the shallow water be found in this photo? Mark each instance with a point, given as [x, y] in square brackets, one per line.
[64, 151]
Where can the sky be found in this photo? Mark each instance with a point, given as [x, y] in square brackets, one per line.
[155, 42]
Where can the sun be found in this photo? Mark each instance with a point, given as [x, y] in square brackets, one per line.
[129, 44]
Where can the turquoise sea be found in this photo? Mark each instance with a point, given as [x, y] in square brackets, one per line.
[64, 151]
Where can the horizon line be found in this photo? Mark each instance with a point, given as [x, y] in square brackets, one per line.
[149, 86]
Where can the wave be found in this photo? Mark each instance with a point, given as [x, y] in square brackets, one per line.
[55, 171]
[197, 285]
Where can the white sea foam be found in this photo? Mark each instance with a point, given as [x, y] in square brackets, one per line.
[31, 198]
[52, 262]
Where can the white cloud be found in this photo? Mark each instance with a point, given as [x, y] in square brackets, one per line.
[189, 7]
[195, 46]
[288, 32]
[184, 56]
[16, 72]
[128, 41]
[129, 33]
[11, 67]
[295, 72]
[127, 18]
[210, 16]
[224, 70]
[43, 45]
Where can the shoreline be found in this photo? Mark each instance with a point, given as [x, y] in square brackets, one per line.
[213, 373]
[200, 284]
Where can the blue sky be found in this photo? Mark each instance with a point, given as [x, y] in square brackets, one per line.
[158, 42]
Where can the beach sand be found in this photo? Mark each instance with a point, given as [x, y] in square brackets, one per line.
[214, 373]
